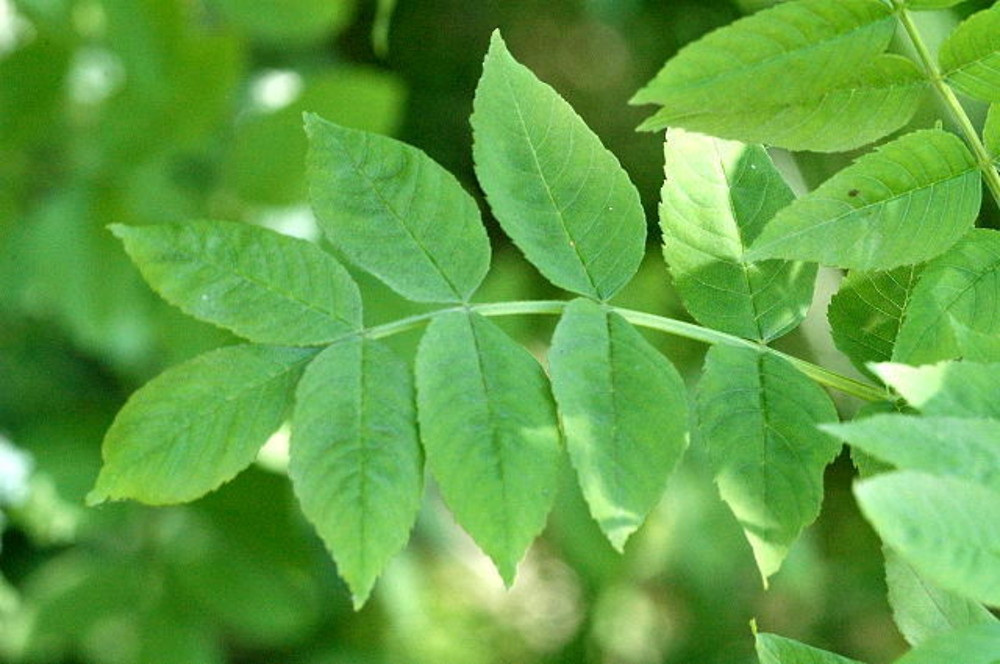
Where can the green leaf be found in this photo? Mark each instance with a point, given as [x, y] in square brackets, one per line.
[623, 409]
[356, 463]
[715, 200]
[774, 649]
[977, 644]
[263, 286]
[991, 132]
[281, 23]
[394, 212]
[947, 528]
[970, 56]
[950, 294]
[867, 311]
[489, 428]
[931, 4]
[198, 424]
[556, 191]
[799, 60]
[904, 203]
[952, 446]
[955, 389]
[757, 415]
[920, 609]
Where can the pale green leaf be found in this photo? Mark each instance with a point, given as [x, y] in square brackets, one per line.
[356, 463]
[955, 389]
[623, 409]
[947, 528]
[991, 132]
[198, 424]
[557, 192]
[774, 649]
[715, 200]
[263, 286]
[394, 212]
[490, 432]
[920, 609]
[970, 56]
[931, 4]
[904, 203]
[976, 644]
[757, 415]
[959, 288]
[953, 446]
[867, 311]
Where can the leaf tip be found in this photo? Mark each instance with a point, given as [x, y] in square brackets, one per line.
[96, 497]
[120, 231]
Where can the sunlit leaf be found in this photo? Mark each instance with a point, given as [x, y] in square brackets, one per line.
[774, 649]
[977, 644]
[556, 191]
[904, 203]
[948, 389]
[970, 56]
[715, 200]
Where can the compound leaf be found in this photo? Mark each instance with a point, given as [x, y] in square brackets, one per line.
[955, 389]
[198, 424]
[947, 528]
[774, 649]
[557, 192]
[263, 286]
[715, 200]
[904, 203]
[757, 415]
[956, 291]
[489, 428]
[970, 56]
[356, 462]
[976, 644]
[396, 213]
[623, 409]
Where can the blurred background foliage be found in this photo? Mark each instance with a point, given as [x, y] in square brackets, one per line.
[152, 111]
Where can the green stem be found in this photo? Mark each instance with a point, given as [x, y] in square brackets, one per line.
[951, 101]
[651, 321]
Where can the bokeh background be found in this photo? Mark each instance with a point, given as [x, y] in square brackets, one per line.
[154, 111]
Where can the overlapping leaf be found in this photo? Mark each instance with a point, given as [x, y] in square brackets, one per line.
[263, 286]
[977, 644]
[757, 415]
[956, 291]
[489, 428]
[970, 56]
[774, 649]
[715, 200]
[198, 424]
[558, 193]
[396, 213]
[356, 463]
[904, 203]
[867, 311]
[623, 409]
[948, 389]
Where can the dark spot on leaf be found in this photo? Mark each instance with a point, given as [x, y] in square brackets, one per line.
[853, 192]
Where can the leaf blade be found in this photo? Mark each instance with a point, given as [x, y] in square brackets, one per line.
[955, 389]
[774, 649]
[970, 56]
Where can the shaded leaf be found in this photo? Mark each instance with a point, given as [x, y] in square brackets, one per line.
[264, 286]
[623, 409]
[977, 644]
[970, 56]
[948, 529]
[489, 428]
[198, 424]
[774, 649]
[951, 389]
[757, 415]
[558, 193]
[958, 289]
[356, 463]
[715, 200]
[904, 203]
[396, 213]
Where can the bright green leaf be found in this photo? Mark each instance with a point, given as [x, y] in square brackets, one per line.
[757, 415]
[396, 213]
[867, 311]
[623, 409]
[198, 424]
[558, 193]
[356, 462]
[715, 200]
[904, 203]
[947, 528]
[960, 447]
[991, 132]
[774, 649]
[267, 287]
[955, 389]
[970, 56]
[954, 290]
[977, 644]
[489, 428]
[931, 4]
